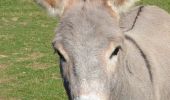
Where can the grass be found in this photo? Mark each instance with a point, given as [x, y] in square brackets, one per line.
[165, 4]
[28, 67]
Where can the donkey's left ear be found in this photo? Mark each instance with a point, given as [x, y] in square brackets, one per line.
[53, 7]
[122, 5]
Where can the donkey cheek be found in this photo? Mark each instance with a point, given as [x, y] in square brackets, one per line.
[111, 65]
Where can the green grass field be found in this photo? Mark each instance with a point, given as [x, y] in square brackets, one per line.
[28, 66]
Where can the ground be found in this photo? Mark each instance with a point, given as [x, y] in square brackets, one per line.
[28, 66]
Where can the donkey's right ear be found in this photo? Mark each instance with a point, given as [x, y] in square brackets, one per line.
[53, 7]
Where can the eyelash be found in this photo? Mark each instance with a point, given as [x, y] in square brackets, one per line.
[115, 52]
[61, 56]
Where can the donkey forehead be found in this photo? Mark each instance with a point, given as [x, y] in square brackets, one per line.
[87, 38]
[88, 25]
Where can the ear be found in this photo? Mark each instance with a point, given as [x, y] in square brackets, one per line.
[53, 7]
[122, 5]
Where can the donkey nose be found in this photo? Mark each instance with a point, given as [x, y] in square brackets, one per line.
[87, 97]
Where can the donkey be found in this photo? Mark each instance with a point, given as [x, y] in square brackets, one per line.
[111, 51]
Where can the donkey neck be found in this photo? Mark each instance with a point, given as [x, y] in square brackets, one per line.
[132, 79]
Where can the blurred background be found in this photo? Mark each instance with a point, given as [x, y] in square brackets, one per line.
[28, 66]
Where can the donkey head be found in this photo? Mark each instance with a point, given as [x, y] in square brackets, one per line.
[90, 45]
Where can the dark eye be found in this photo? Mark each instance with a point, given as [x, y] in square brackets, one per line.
[61, 56]
[115, 52]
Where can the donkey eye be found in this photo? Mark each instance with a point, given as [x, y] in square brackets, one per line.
[61, 56]
[115, 52]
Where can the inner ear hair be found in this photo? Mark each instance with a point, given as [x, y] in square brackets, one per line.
[122, 5]
[53, 7]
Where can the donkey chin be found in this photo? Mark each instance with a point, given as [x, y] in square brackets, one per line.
[91, 96]
[88, 97]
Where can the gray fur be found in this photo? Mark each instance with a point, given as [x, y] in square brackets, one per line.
[143, 68]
